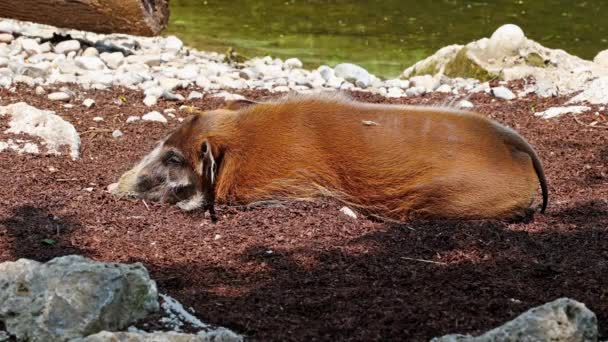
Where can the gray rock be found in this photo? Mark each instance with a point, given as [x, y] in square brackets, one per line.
[59, 96]
[353, 74]
[72, 297]
[169, 96]
[503, 93]
[6, 38]
[90, 63]
[67, 46]
[563, 320]
[117, 133]
[444, 88]
[219, 335]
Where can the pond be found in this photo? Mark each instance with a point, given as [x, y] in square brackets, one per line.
[384, 36]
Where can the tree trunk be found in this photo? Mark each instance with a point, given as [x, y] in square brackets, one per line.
[137, 17]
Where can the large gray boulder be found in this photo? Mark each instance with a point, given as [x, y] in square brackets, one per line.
[71, 297]
[220, 335]
[563, 320]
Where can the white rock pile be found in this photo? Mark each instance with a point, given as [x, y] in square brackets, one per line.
[158, 66]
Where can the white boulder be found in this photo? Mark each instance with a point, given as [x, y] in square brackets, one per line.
[48, 126]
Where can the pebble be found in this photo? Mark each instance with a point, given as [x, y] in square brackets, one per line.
[40, 91]
[444, 88]
[169, 96]
[97, 119]
[428, 82]
[90, 63]
[194, 95]
[293, 63]
[6, 38]
[503, 93]
[67, 47]
[88, 103]
[155, 117]
[113, 60]
[90, 52]
[150, 100]
[30, 46]
[59, 96]
[353, 74]
[464, 104]
[133, 119]
[117, 133]
[348, 212]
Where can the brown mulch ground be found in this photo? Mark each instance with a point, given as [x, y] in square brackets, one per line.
[302, 271]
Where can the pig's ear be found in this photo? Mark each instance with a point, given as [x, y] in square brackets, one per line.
[239, 104]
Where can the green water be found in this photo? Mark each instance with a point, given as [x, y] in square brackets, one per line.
[384, 36]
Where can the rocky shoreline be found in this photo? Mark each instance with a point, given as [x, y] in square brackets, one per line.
[63, 66]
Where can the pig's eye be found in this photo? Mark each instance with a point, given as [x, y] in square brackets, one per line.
[174, 159]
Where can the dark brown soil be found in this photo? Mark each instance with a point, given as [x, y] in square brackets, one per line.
[303, 271]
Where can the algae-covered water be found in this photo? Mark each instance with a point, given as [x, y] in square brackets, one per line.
[384, 36]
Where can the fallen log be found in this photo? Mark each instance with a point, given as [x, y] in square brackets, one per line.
[136, 17]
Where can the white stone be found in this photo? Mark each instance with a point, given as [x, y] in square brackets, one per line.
[150, 100]
[506, 40]
[154, 116]
[113, 60]
[30, 46]
[48, 126]
[444, 88]
[464, 104]
[293, 63]
[395, 92]
[428, 82]
[6, 38]
[503, 93]
[415, 91]
[554, 112]
[173, 43]
[194, 95]
[133, 119]
[59, 96]
[348, 212]
[169, 96]
[149, 60]
[595, 93]
[117, 133]
[601, 58]
[40, 91]
[88, 103]
[189, 72]
[229, 96]
[90, 52]
[67, 46]
[90, 63]
[97, 119]
[353, 74]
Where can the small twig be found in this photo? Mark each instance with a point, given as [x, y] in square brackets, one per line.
[146, 204]
[587, 125]
[426, 261]
[67, 179]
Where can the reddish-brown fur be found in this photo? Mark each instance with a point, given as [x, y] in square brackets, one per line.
[407, 160]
